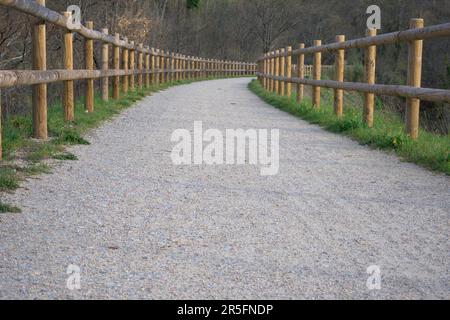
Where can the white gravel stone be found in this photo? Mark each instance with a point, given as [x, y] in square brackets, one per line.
[142, 228]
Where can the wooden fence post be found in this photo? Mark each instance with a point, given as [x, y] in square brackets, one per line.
[125, 56]
[40, 90]
[277, 72]
[272, 71]
[300, 73]
[116, 61]
[177, 66]
[141, 66]
[282, 72]
[289, 72]
[172, 67]
[369, 66]
[339, 76]
[105, 67]
[168, 65]
[157, 67]
[153, 65]
[132, 67]
[203, 68]
[147, 68]
[1, 147]
[189, 67]
[89, 60]
[264, 71]
[317, 73]
[68, 94]
[414, 80]
[183, 64]
[224, 68]
[217, 69]
[162, 75]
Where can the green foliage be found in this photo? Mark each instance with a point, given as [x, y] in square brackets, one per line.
[65, 156]
[193, 4]
[9, 179]
[355, 73]
[5, 208]
[430, 150]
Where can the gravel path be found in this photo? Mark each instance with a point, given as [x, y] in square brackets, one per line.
[139, 227]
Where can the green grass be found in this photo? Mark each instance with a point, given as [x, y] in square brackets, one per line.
[431, 151]
[5, 208]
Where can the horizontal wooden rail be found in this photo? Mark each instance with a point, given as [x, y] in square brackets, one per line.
[13, 78]
[437, 31]
[269, 73]
[425, 94]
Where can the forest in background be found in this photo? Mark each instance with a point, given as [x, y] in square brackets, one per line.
[240, 30]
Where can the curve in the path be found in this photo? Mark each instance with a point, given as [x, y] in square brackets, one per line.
[140, 227]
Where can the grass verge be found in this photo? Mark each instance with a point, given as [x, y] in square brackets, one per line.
[431, 151]
[18, 147]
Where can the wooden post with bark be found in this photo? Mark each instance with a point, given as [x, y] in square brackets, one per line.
[162, 75]
[141, 67]
[89, 63]
[414, 80]
[68, 94]
[369, 74]
[277, 72]
[39, 96]
[172, 67]
[116, 62]
[300, 73]
[317, 74]
[282, 72]
[147, 68]
[132, 67]
[157, 67]
[272, 72]
[266, 71]
[125, 55]
[339, 76]
[1, 147]
[289, 72]
[105, 67]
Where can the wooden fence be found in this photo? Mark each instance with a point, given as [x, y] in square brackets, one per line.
[130, 60]
[275, 71]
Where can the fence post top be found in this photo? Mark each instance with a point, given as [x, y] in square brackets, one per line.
[416, 23]
[371, 32]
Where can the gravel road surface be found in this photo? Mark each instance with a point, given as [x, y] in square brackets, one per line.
[141, 228]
